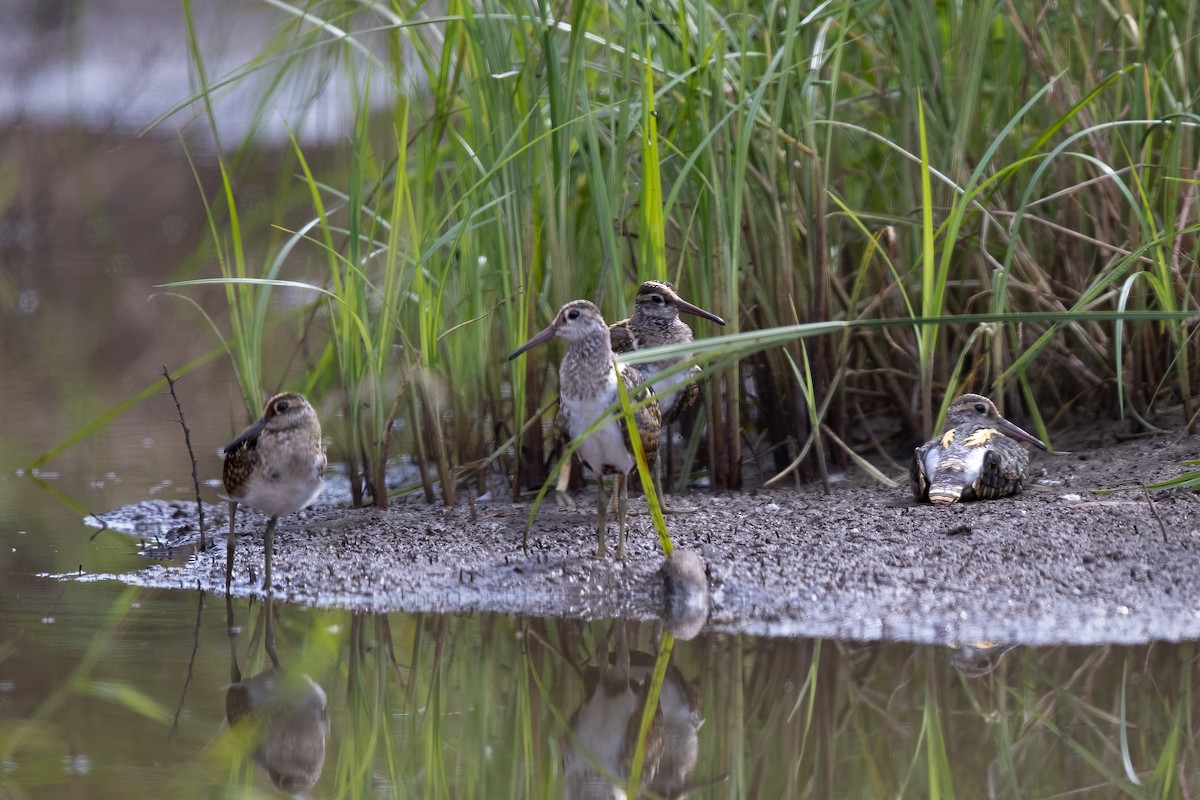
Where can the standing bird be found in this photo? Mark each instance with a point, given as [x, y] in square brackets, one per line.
[655, 322]
[274, 466]
[977, 455]
[587, 386]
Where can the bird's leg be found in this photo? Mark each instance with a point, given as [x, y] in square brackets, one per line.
[230, 546]
[560, 486]
[268, 546]
[656, 470]
[622, 501]
[662, 467]
[602, 511]
[230, 622]
[622, 642]
[235, 673]
[269, 636]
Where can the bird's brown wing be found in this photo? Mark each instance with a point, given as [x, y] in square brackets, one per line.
[559, 437]
[241, 458]
[685, 397]
[1003, 472]
[237, 704]
[656, 740]
[916, 471]
[621, 338]
[648, 418]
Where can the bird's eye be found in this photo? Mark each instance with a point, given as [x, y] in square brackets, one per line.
[281, 406]
[658, 299]
[573, 314]
[981, 408]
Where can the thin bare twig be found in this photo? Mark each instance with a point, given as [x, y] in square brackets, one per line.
[187, 440]
[191, 661]
[1161, 525]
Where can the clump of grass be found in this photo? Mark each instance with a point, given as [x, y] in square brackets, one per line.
[501, 159]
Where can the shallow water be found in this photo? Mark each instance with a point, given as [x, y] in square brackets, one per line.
[112, 691]
[93, 677]
[115, 691]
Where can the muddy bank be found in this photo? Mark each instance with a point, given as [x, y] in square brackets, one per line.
[1057, 564]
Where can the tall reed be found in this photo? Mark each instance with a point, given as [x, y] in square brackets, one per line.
[502, 158]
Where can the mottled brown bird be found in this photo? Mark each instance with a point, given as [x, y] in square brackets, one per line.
[587, 386]
[976, 457]
[655, 322]
[274, 466]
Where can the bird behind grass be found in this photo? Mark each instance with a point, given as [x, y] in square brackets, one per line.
[655, 322]
[587, 387]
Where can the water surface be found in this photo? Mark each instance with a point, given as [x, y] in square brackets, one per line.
[113, 691]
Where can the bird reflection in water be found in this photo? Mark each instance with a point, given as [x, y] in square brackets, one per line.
[685, 594]
[976, 659]
[599, 749]
[278, 715]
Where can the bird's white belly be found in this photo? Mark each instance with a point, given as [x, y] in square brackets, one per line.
[601, 727]
[972, 463]
[276, 498]
[605, 447]
[965, 467]
[933, 457]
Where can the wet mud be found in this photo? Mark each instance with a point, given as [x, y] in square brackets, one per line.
[1058, 564]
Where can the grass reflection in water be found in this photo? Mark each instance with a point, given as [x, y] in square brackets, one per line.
[496, 706]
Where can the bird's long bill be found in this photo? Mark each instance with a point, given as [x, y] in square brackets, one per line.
[687, 307]
[254, 430]
[1020, 434]
[534, 342]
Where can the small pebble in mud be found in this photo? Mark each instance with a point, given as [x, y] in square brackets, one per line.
[1070, 498]
[771, 508]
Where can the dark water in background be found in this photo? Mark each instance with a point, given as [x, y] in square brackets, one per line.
[108, 691]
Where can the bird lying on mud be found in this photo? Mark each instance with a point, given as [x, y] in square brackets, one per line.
[274, 466]
[655, 322]
[976, 457]
[587, 386]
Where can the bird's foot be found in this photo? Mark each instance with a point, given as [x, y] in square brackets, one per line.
[564, 500]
